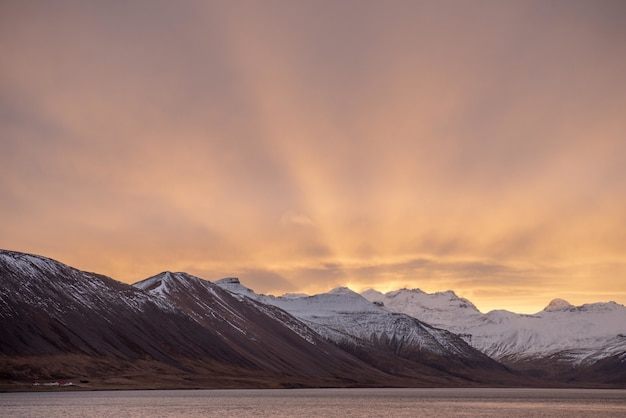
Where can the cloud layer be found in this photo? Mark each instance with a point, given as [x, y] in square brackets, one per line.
[479, 146]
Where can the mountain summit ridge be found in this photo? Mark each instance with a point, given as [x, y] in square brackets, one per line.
[558, 305]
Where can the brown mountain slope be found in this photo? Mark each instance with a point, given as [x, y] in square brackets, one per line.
[91, 327]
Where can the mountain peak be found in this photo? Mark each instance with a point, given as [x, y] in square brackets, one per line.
[449, 293]
[30, 264]
[167, 281]
[294, 295]
[373, 295]
[233, 285]
[228, 280]
[558, 305]
[342, 290]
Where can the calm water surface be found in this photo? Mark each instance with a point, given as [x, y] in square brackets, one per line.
[320, 403]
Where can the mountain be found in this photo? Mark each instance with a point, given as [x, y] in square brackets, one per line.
[175, 330]
[562, 339]
[396, 343]
[267, 337]
[441, 309]
[172, 330]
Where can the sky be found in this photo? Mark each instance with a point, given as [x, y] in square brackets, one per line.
[478, 146]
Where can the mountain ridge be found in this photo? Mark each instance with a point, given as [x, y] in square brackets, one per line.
[175, 330]
[359, 326]
[178, 330]
[59, 322]
[561, 340]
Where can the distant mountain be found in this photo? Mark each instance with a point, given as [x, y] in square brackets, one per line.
[396, 343]
[569, 339]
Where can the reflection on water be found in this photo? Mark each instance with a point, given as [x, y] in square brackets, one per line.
[320, 402]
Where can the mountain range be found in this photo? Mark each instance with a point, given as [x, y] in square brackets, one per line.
[175, 330]
[562, 341]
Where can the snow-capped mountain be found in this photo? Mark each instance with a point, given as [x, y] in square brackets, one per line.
[207, 303]
[46, 307]
[356, 324]
[575, 334]
[177, 330]
[270, 337]
[346, 317]
[51, 286]
[440, 309]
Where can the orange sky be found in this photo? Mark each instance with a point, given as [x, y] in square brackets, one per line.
[478, 146]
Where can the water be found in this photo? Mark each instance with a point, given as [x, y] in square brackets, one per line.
[319, 402]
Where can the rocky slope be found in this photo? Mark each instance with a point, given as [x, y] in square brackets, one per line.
[59, 322]
[268, 338]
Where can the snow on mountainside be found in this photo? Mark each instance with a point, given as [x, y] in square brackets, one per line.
[194, 329]
[346, 317]
[211, 304]
[47, 307]
[48, 284]
[393, 342]
[579, 335]
[437, 309]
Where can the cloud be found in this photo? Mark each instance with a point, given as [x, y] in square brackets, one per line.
[299, 219]
[452, 144]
